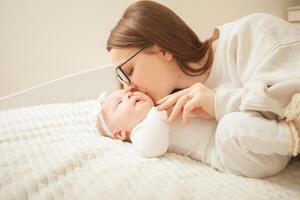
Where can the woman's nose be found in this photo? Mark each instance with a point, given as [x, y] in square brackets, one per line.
[133, 87]
[130, 88]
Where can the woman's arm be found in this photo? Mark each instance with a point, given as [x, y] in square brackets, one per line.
[227, 100]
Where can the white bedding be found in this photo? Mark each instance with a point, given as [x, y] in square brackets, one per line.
[53, 151]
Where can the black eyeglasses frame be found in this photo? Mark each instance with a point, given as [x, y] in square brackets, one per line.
[121, 75]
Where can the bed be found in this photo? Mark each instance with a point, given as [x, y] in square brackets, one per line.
[51, 150]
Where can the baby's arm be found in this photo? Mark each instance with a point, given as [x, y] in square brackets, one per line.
[150, 138]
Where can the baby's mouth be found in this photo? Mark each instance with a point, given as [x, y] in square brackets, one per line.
[137, 100]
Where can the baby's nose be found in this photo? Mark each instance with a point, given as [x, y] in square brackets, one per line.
[129, 95]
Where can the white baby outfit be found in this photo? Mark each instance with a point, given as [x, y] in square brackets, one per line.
[154, 136]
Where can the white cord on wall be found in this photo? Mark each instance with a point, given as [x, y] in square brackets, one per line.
[52, 81]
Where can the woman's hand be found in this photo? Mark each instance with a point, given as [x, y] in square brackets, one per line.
[197, 100]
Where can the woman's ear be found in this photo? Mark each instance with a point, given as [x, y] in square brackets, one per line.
[119, 134]
[166, 55]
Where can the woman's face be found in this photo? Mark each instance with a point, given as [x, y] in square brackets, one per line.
[151, 71]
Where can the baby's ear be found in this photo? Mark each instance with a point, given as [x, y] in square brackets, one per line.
[119, 134]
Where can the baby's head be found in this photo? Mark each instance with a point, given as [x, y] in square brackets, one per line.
[121, 111]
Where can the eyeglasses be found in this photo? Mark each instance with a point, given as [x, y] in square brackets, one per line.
[121, 75]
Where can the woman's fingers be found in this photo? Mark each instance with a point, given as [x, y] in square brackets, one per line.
[168, 101]
[188, 108]
[162, 100]
[175, 95]
[177, 108]
[197, 100]
[166, 104]
[169, 110]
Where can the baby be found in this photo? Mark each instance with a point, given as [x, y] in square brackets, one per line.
[132, 117]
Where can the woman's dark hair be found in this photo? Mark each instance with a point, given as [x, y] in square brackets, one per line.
[145, 23]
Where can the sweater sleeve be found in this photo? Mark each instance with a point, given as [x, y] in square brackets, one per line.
[227, 100]
[269, 89]
[150, 138]
[266, 63]
[275, 78]
[242, 45]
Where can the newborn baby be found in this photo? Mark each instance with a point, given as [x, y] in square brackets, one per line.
[132, 117]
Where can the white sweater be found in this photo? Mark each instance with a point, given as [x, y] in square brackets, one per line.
[256, 67]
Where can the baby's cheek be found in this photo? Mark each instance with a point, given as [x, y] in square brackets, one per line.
[143, 113]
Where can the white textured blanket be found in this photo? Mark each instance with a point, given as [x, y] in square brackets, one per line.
[54, 152]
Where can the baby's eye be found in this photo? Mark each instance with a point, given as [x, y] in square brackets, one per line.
[120, 101]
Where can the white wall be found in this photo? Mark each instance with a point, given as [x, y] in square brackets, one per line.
[203, 15]
[45, 39]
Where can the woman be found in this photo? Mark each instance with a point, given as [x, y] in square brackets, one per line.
[246, 76]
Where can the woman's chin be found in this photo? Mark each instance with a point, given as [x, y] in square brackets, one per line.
[143, 106]
[152, 98]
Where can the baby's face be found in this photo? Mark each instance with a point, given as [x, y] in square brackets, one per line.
[123, 109]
